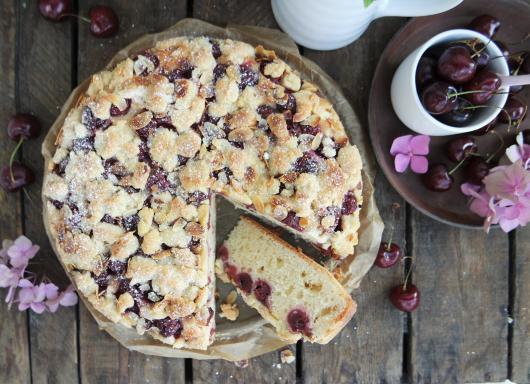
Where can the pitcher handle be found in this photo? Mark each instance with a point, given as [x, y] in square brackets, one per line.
[412, 8]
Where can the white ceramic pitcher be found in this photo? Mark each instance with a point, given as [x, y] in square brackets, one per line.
[332, 24]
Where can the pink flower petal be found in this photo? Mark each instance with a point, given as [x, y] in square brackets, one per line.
[401, 162]
[23, 306]
[25, 283]
[420, 145]
[51, 291]
[419, 164]
[513, 153]
[508, 225]
[52, 306]
[69, 299]
[401, 144]
[38, 307]
[470, 189]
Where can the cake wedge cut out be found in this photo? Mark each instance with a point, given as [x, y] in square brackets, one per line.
[295, 294]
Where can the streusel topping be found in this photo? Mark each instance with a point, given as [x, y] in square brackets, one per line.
[139, 156]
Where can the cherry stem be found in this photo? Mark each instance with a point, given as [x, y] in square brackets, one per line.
[85, 19]
[493, 106]
[395, 208]
[451, 95]
[29, 198]
[457, 166]
[12, 158]
[407, 276]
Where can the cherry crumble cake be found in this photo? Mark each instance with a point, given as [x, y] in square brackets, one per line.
[129, 189]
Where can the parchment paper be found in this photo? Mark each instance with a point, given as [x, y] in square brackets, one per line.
[249, 335]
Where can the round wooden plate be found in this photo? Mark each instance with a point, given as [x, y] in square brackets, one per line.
[450, 207]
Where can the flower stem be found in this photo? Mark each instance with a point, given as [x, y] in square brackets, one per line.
[12, 158]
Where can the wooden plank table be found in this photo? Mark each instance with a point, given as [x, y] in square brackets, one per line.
[474, 321]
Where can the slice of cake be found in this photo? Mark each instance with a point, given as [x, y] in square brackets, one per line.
[300, 298]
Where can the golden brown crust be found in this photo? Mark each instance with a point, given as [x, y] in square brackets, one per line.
[139, 153]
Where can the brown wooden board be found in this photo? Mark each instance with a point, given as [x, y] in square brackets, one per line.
[267, 368]
[14, 344]
[461, 326]
[102, 358]
[45, 62]
[521, 310]
[370, 349]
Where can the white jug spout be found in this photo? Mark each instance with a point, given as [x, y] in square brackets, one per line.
[413, 8]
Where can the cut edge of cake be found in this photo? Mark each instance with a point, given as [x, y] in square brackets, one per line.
[250, 282]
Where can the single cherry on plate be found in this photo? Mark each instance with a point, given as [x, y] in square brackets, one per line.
[55, 10]
[438, 178]
[438, 98]
[460, 115]
[482, 87]
[456, 65]
[458, 149]
[476, 170]
[513, 110]
[23, 126]
[425, 72]
[388, 255]
[485, 24]
[15, 177]
[405, 297]
[103, 21]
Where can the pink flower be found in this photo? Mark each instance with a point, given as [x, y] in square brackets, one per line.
[9, 278]
[519, 151]
[31, 296]
[481, 203]
[508, 182]
[510, 215]
[411, 150]
[21, 252]
[54, 298]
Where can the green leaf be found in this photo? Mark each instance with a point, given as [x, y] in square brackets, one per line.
[367, 3]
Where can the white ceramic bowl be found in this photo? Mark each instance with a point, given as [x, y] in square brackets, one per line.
[406, 101]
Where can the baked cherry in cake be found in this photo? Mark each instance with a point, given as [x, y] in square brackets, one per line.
[144, 150]
[296, 295]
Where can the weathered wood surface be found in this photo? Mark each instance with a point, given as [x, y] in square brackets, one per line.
[14, 338]
[44, 53]
[520, 353]
[472, 286]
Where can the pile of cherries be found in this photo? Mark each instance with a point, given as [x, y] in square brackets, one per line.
[102, 19]
[14, 175]
[455, 85]
[453, 80]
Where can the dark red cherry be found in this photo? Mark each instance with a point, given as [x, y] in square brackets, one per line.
[103, 21]
[485, 24]
[298, 321]
[485, 129]
[438, 178]
[476, 170]
[15, 178]
[244, 282]
[262, 291]
[426, 72]
[460, 115]
[455, 65]
[55, 10]
[23, 126]
[388, 255]
[461, 147]
[437, 98]
[514, 109]
[485, 81]
[406, 298]
[222, 252]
